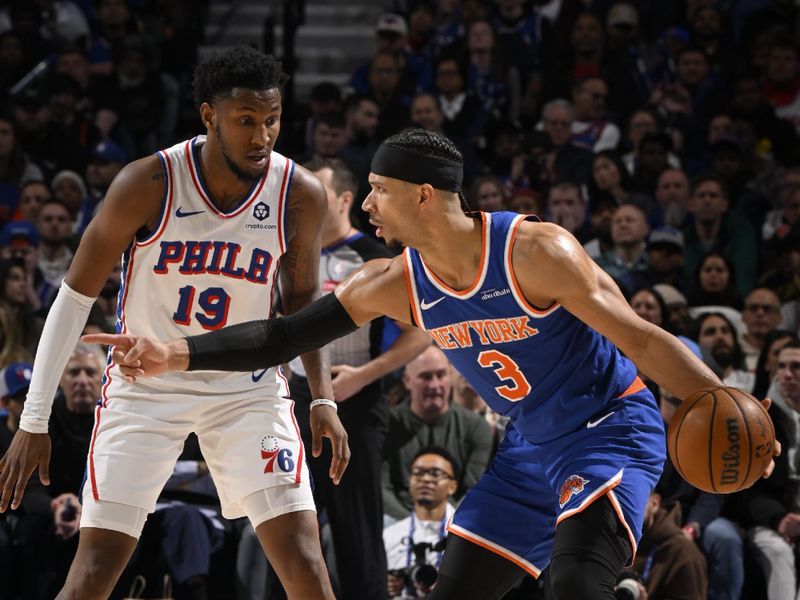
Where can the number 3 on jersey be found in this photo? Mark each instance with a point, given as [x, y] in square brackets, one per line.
[214, 303]
[507, 370]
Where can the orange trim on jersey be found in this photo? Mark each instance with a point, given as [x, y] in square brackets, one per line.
[281, 202]
[512, 276]
[637, 385]
[599, 492]
[168, 204]
[481, 265]
[411, 298]
[494, 548]
[612, 497]
[92, 479]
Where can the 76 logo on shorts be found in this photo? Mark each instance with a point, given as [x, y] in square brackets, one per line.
[271, 453]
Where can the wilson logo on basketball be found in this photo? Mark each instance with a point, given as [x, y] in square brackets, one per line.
[572, 486]
[270, 452]
[730, 458]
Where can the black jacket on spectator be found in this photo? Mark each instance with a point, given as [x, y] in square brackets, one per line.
[769, 500]
[70, 434]
[696, 506]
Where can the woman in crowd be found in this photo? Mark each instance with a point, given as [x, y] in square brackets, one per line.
[715, 283]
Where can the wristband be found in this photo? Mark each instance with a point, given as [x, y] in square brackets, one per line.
[326, 402]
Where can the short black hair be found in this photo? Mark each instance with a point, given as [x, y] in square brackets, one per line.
[326, 92]
[425, 143]
[240, 67]
[332, 118]
[793, 344]
[439, 451]
[705, 178]
[353, 102]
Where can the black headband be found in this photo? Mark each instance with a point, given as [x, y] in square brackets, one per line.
[401, 164]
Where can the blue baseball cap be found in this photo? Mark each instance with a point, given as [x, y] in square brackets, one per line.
[110, 152]
[18, 234]
[16, 378]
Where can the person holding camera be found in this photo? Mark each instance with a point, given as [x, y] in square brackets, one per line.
[414, 545]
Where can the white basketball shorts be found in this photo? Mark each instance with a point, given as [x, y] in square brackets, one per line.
[249, 444]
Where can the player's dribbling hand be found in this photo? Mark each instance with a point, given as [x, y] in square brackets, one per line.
[137, 356]
[27, 450]
[766, 402]
[325, 423]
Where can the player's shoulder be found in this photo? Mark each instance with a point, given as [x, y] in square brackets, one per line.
[383, 270]
[306, 187]
[144, 173]
[540, 240]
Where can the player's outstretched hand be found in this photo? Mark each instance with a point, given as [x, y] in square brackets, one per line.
[325, 423]
[139, 356]
[27, 450]
[766, 402]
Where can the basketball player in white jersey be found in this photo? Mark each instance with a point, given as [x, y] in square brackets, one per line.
[200, 227]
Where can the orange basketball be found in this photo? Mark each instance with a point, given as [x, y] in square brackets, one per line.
[721, 440]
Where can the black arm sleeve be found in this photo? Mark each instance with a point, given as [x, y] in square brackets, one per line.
[263, 344]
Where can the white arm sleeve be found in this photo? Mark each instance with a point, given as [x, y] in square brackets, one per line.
[62, 328]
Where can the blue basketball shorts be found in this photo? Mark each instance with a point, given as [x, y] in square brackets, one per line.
[528, 489]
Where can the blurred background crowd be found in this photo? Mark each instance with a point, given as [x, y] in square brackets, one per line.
[664, 135]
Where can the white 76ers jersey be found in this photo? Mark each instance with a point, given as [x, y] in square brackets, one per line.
[201, 269]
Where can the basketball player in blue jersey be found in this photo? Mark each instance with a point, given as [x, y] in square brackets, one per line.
[538, 330]
[201, 228]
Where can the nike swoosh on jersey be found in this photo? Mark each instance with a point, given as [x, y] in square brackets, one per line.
[180, 214]
[590, 424]
[257, 375]
[427, 305]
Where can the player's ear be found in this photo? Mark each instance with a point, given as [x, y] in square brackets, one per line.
[207, 114]
[426, 194]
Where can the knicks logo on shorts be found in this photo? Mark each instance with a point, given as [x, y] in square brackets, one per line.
[275, 456]
[572, 486]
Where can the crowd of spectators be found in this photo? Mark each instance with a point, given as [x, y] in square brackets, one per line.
[665, 136]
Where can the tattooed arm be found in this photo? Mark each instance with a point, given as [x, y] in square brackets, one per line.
[299, 266]
[306, 211]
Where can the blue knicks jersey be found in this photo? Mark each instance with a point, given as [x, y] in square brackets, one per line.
[545, 369]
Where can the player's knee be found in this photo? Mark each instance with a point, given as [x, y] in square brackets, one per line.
[305, 559]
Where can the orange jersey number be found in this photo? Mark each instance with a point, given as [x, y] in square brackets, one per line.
[506, 370]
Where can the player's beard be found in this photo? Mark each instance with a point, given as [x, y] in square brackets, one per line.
[240, 173]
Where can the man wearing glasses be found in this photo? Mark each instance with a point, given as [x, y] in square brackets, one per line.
[761, 314]
[433, 480]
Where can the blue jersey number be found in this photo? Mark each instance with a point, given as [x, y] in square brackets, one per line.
[214, 303]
